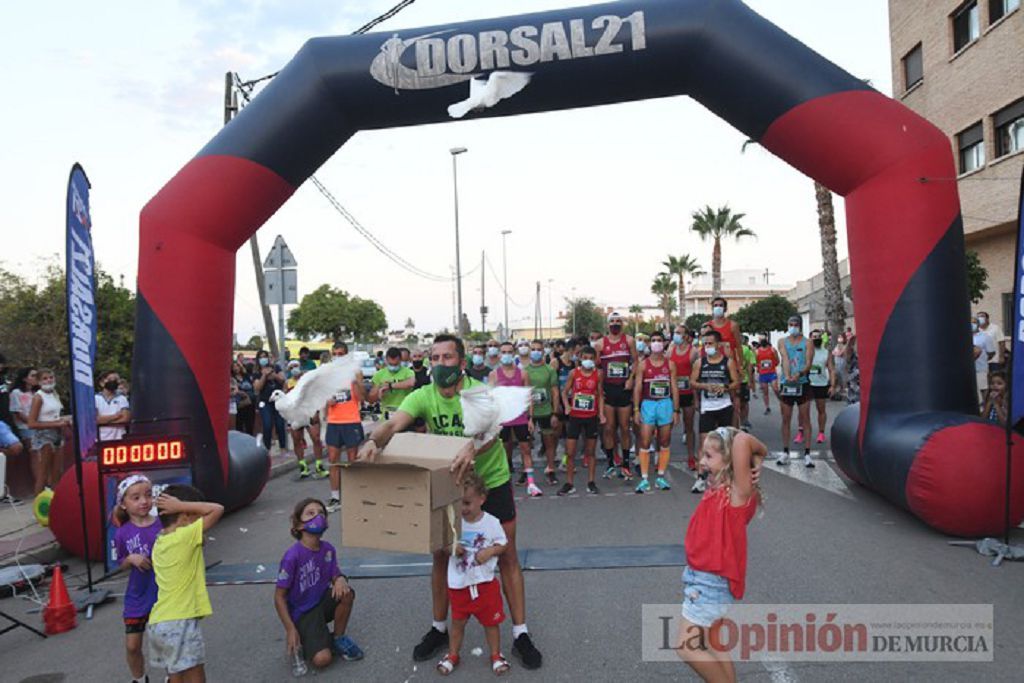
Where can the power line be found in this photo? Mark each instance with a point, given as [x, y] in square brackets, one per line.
[490, 267]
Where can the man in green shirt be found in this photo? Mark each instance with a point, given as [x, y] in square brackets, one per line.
[439, 405]
[392, 383]
[543, 381]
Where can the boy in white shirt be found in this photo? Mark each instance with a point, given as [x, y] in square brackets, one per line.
[473, 589]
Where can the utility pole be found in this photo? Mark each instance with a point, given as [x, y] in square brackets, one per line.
[504, 267]
[455, 324]
[483, 298]
[573, 311]
[455, 151]
[230, 110]
[551, 323]
[538, 315]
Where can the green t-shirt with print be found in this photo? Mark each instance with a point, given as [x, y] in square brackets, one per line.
[393, 398]
[543, 380]
[444, 416]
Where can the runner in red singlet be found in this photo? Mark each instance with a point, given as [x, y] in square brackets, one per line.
[584, 401]
[731, 336]
[683, 355]
[617, 355]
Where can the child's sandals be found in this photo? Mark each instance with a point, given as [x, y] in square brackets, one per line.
[447, 664]
[499, 665]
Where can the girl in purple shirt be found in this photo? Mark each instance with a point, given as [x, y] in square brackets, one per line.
[133, 546]
[312, 591]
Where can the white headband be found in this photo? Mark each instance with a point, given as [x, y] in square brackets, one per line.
[128, 482]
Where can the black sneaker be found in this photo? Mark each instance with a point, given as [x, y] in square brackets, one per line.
[522, 479]
[333, 505]
[430, 645]
[525, 652]
[9, 500]
[552, 479]
[592, 489]
[567, 489]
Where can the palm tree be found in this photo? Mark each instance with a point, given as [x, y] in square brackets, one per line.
[664, 288]
[636, 310]
[681, 267]
[835, 309]
[716, 225]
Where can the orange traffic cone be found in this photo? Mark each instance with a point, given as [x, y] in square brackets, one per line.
[59, 613]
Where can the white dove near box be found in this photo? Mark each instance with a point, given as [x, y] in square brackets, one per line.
[400, 502]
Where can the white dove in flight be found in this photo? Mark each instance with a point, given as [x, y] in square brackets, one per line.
[484, 408]
[311, 392]
[500, 85]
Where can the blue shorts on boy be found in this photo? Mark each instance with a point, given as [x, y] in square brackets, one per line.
[175, 640]
[706, 597]
[657, 412]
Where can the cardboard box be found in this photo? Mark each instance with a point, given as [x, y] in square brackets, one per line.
[399, 503]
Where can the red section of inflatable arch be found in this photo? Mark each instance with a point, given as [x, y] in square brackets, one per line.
[893, 219]
[196, 223]
[66, 513]
[965, 464]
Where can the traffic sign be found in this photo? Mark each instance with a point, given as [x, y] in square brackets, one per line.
[278, 281]
[280, 256]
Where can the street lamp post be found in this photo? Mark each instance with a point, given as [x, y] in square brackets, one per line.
[504, 268]
[456, 151]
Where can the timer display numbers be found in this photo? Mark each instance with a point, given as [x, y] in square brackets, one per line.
[134, 453]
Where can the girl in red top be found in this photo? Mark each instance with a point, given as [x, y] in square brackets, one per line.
[767, 363]
[716, 546]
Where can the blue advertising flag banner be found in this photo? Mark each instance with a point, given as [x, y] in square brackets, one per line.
[81, 306]
[1017, 331]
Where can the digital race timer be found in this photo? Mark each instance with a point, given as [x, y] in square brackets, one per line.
[142, 452]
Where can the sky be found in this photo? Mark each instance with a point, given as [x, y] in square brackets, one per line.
[595, 198]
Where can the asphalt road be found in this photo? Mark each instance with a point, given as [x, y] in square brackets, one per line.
[819, 541]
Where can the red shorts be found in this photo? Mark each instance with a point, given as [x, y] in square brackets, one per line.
[487, 608]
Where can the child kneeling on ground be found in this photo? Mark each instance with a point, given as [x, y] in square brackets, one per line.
[312, 591]
[175, 639]
[472, 588]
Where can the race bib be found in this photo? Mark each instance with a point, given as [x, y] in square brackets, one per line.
[683, 383]
[617, 370]
[791, 390]
[583, 402]
[767, 364]
[660, 389]
[539, 396]
[815, 369]
[342, 396]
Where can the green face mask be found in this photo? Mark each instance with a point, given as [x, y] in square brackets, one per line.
[446, 376]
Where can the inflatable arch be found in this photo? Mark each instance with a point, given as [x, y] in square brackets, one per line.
[915, 437]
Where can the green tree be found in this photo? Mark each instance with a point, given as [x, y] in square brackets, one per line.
[694, 321]
[584, 317]
[34, 330]
[255, 342]
[681, 267]
[332, 313]
[477, 336]
[977, 277]
[767, 315]
[714, 225]
[665, 289]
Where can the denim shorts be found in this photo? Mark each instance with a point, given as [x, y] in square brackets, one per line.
[706, 597]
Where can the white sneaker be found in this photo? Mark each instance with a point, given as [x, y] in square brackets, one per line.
[783, 460]
[534, 491]
[807, 460]
[699, 485]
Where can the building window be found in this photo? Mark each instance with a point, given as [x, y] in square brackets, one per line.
[1009, 127]
[971, 143]
[966, 26]
[997, 9]
[913, 68]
